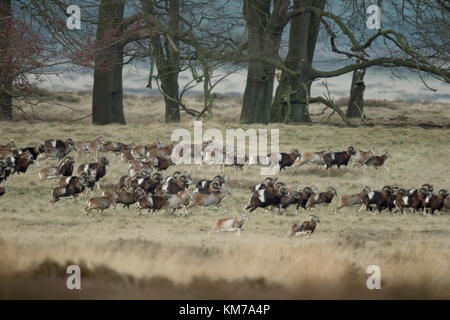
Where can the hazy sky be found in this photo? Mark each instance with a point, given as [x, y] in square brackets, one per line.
[379, 85]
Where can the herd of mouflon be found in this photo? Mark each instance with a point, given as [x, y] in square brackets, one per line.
[147, 189]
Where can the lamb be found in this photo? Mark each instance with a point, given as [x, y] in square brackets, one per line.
[143, 151]
[128, 198]
[4, 190]
[164, 151]
[322, 197]
[4, 153]
[116, 147]
[229, 225]
[65, 169]
[57, 149]
[135, 166]
[377, 161]
[194, 151]
[101, 203]
[360, 157]
[310, 158]
[270, 159]
[349, 200]
[234, 160]
[304, 229]
[92, 147]
[9, 146]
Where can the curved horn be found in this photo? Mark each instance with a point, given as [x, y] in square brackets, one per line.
[156, 176]
[279, 184]
[185, 174]
[268, 179]
[176, 174]
[215, 186]
[333, 190]
[316, 218]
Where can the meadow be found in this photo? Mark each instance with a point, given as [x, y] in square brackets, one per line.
[125, 255]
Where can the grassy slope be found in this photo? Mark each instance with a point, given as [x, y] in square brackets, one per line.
[413, 252]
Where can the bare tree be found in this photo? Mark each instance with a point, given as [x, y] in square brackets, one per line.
[24, 53]
[265, 24]
[294, 87]
[166, 53]
[287, 105]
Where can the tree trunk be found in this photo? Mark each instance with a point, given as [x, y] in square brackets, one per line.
[169, 84]
[168, 60]
[264, 38]
[356, 103]
[288, 105]
[6, 81]
[107, 97]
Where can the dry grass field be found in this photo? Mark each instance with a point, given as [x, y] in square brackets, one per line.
[124, 255]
